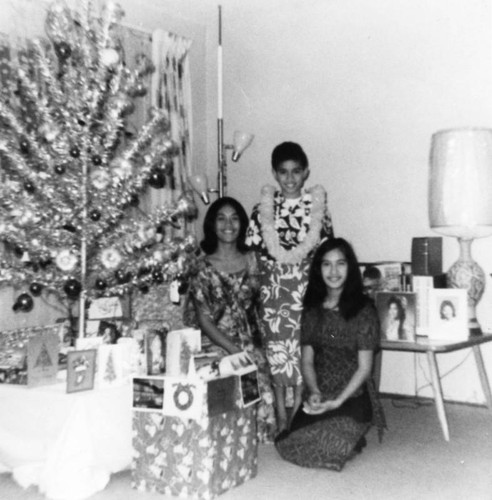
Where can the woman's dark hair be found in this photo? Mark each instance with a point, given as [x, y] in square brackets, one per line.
[447, 303]
[210, 241]
[401, 312]
[289, 151]
[352, 298]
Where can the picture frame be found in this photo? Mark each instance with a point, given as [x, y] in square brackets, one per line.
[448, 314]
[397, 313]
[81, 370]
[249, 387]
[155, 351]
[148, 393]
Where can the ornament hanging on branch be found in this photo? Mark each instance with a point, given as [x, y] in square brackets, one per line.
[71, 179]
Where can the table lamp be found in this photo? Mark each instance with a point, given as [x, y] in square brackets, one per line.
[460, 203]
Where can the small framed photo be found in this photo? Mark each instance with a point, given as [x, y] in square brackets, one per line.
[108, 331]
[397, 314]
[250, 390]
[148, 393]
[155, 351]
[81, 370]
[448, 314]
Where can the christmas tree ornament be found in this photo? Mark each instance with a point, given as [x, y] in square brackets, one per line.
[111, 258]
[66, 260]
[59, 169]
[100, 178]
[36, 289]
[95, 215]
[96, 160]
[157, 179]
[157, 276]
[100, 284]
[72, 288]
[24, 146]
[63, 51]
[74, 152]
[29, 187]
[122, 276]
[23, 303]
[109, 57]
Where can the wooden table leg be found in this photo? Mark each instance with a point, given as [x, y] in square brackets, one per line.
[438, 398]
[378, 360]
[483, 375]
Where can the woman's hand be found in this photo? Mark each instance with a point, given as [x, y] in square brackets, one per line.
[321, 406]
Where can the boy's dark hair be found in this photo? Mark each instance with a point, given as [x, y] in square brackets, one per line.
[352, 299]
[210, 241]
[289, 151]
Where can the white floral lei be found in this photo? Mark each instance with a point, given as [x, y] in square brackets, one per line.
[271, 237]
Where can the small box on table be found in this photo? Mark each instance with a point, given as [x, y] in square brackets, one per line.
[196, 458]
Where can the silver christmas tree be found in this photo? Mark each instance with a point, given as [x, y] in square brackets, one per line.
[71, 178]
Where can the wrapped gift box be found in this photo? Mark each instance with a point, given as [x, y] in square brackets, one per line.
[195, 458]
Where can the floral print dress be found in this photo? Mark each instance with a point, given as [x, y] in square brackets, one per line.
[283, 285]
[329, 439]
[230, 301]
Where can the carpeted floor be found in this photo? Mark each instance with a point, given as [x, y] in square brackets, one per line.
[413, 463]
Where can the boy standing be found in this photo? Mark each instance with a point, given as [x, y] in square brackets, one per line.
[285, 228]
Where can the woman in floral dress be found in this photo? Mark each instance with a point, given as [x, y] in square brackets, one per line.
[224, 296]
[285, 229]
[339, 334]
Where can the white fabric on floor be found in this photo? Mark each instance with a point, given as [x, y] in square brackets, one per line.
[66, 444]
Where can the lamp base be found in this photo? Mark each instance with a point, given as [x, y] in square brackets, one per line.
[466, 273]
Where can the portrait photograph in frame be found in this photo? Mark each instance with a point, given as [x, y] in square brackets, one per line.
[397, 314]
[448, 311]
[81, 370]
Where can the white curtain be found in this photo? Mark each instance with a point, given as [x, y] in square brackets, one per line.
[171, 90]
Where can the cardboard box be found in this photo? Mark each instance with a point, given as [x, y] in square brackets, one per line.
[195, 458]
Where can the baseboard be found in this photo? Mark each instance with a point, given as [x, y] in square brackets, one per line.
[426, 399]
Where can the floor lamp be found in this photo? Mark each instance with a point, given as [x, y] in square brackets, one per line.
[460, 203]
[241, 140]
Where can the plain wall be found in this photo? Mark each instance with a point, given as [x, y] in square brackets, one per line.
[362, 86]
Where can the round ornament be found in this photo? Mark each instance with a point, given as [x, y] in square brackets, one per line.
[157, 179]
[23, 303]
[24, 146]
[63, 51]
[109, 57]
[95, 215]
[157, 276]
[100, 284]
[111, 258]
[59, 169]
[74, 152]
[72, 288]
[66, 260]
[100, 179]
[36, 289]
[96, 160]
[29, 187]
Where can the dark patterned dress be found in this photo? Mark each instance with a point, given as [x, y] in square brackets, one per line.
[283, 285]
[230, 301]
[330, 439]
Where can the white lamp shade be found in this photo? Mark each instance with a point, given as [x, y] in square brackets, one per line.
[241, 141]
[199, 183]
[460, 183]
